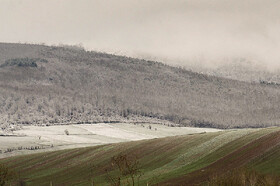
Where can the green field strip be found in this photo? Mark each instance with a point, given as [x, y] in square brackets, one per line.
[160, 159]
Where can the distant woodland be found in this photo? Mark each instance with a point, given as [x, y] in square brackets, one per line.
[51, 85]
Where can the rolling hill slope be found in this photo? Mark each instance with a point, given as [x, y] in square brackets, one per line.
[188, 159]
[51, 85]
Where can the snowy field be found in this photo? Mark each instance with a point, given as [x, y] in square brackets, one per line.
[54, 137]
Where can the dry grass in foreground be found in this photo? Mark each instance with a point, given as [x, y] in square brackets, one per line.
[243, 177]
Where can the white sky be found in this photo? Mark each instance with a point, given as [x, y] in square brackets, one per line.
[174, 31]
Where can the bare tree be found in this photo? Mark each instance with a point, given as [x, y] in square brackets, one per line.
[66, 132]
[128, 170]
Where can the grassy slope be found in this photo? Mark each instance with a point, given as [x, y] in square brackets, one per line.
[269, 162]
[236, 159]
[161, 160]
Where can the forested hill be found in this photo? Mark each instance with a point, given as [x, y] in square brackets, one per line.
[42, 84]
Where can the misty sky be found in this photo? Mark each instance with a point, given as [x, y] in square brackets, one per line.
[175, 31]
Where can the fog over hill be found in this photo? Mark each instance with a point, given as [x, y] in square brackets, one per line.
[234, 39]
[241, 69]
[45, 84]
[179, 32]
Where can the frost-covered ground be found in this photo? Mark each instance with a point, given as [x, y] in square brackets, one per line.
[54, 138]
